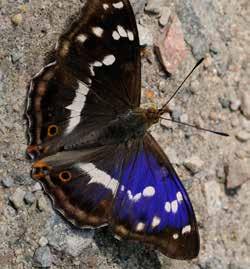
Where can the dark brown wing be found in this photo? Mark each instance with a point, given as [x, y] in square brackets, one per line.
[95, 77]
[104, 42]
[82, 183]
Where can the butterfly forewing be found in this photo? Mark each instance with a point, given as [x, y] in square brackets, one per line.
[106, 40]
[95, 77]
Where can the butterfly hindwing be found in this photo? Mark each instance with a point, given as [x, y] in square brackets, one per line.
[152, 205]
[82, 184]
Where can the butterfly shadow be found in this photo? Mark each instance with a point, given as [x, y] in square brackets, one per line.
[126, 254]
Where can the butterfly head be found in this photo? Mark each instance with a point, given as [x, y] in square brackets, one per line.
[152, 115]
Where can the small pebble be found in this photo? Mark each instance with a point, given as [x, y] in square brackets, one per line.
[146, 37]
[194, 164]
[8, 182]
[165, 13]
[16, 56]
[43, 241]
[237, 173]
[166, 123]
[176, 114]
[214, 116]
[17, 198]
[42, 204]
[37, 187]
[75, 244]
[243, 136]
[17, 19]
[235, 104]
[245, 106]
[154, 6]
[29, 198]
[225, 103]
[42, 257]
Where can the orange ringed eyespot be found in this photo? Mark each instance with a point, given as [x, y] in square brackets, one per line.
[65, 176]
[53, 130]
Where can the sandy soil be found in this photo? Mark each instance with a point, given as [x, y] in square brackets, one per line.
[217, 97]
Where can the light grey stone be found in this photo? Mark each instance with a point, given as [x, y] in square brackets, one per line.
[237, 172]
[245, 106]
[17, 198]
[165, 14]
[42, 257]
[37, 187]
[243, 136]
[146, 37]
[8, 182]
[43, 204]
[155, 6]
[29, 198]
[75, 244]
[138, 6]
[193, 29]
[235, 104]
[194, 164]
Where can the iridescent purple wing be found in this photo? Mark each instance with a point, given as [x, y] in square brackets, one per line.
[82, 184]
[152, 205]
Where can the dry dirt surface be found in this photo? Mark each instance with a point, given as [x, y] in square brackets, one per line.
[214, 169]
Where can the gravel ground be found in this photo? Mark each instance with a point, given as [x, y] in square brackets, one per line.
[214, 169]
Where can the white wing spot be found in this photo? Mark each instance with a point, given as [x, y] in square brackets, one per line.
[175, 236]
[122, 188]
[105, 6]
[98, 176]
[140, 226]
[81, 38]
[137, 197]
[97, 64]
[118, 5]
[116, 35]
[156, 221]
[98, 31]
[130, 196]
[186, 229]
[179, 196]
[130, 35]
[121, 31]
[149, 191]
[168, 207]
[174, 206]
[109, 59]
[76, 107]
[134, 198]
[91, 69]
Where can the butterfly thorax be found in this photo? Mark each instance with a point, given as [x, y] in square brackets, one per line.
[132, 124]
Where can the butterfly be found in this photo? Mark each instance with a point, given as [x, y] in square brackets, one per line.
[89, 139]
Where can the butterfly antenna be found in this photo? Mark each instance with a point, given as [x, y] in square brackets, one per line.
[164, 107]
[196, 127]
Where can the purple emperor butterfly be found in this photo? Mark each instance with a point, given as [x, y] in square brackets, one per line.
[89, 140]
